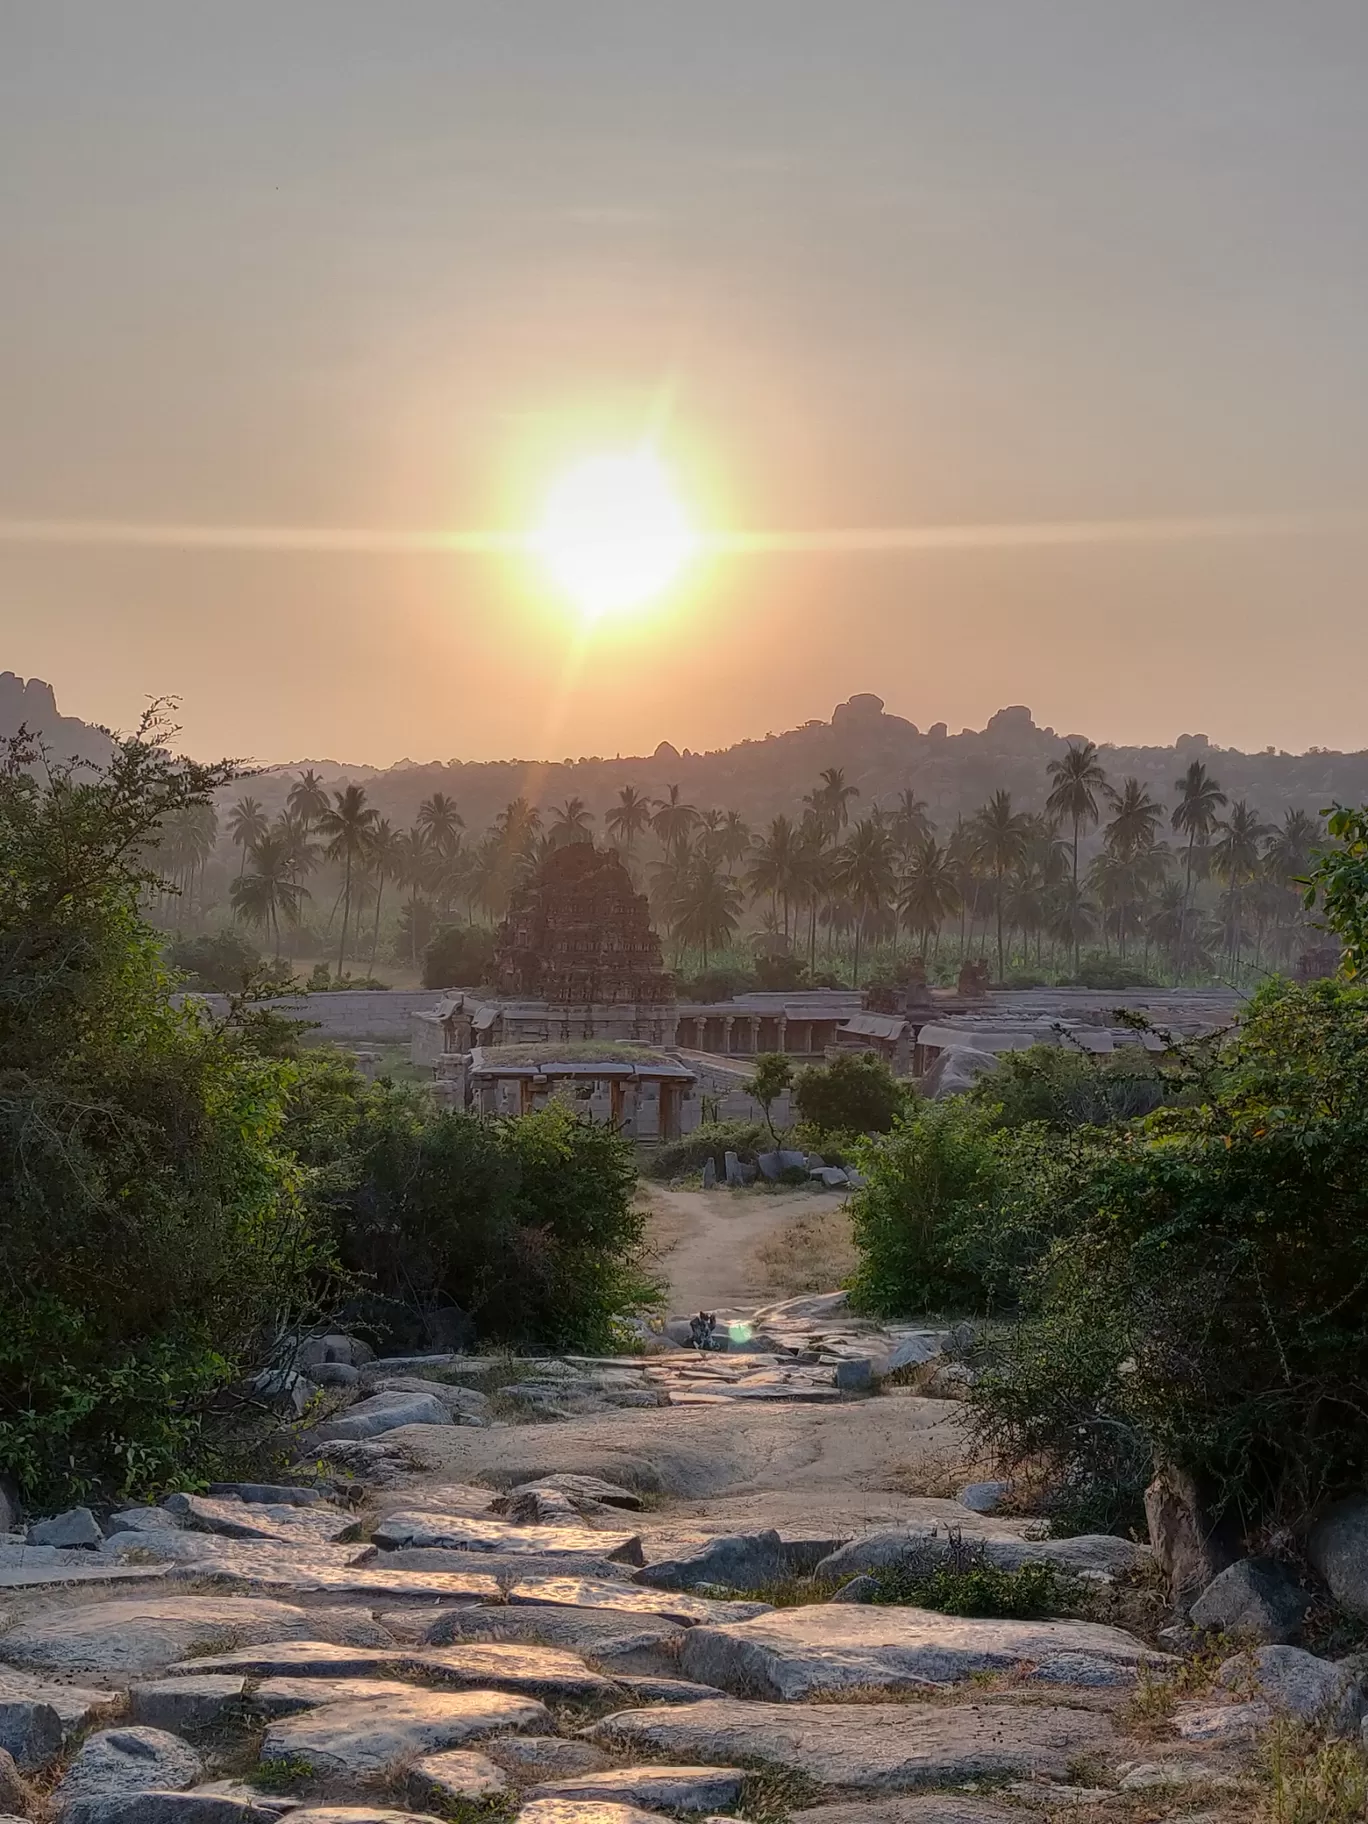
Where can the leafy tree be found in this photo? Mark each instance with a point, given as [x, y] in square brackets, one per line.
[153, 1224]
[218, 962]
[853, 1094]
[458, 956]
[1339, 882]
[773, 1078]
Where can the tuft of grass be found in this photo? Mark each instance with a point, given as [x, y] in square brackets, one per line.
[285, 1773]
[1308, 1778]
[956, 1577]
[1149, 1710]
[770, 1794]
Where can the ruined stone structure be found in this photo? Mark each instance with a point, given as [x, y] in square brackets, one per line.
[579, 934]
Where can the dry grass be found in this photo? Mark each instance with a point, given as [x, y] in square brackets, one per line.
[1309, 1778]
[812, 1254]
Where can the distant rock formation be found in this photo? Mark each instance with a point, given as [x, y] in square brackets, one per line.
[32, 704]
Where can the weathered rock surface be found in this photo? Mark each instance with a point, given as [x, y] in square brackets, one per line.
[286, 1696]
[75, 1706]
[143, 1520]
[984, 1497]
[186, 1704]
[518, 1564]
[514, 1666]
[622, 1642]
[77, 1527]
[359, 1814]
[286, 1523]
[1338, 1549]
[587, 1488]
[364, 1738]
[667, 1788]
[793, 1653]
[1254, 1596]
[466, 1533]
[31, 1731]
[193, 1807]
[545, 1757]
[460, 1402]
[1222, 1725]
[460, 1776]
[1296, 1681]
[1189, 1548]
[384, 1412]
[650, 1690]
[585, 1811]
[15, 1796]
[114, 1764]
[295, 1659]
[145, 1635]
[915, 1808]
[1093, 1553]
[867, 1747]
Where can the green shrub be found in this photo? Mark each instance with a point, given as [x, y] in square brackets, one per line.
[1067, 1088]
[853, 1094]
[1109, 972]
[459, 956]
[714, 1141]
[1208, 1304]
[153, 1221]
[958, 1578]
[219, 962]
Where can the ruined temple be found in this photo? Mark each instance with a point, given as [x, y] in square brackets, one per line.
[580, 933]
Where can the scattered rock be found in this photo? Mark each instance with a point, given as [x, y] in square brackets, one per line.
[623, 1643]
[860, 1589]
[984, 1497]
[77, 1527]
[536, 1507]
[1222, 1725]
[1190, 1549]
[793, 1653]
[76, 1707]
[855, 1376]
[1097, 1553]
[294, 1659]
[1145, 1776]
[666, 1690]
[466, 1533]
[358, 1814]
[740, 1561]
[193, 1807]
[384, 1412]
[709, 1173]
[335, 1374]
[114, 1764]
[669, 1788]
[285, 1523]
[586, 1811]
[181, 1704]
[459, 1401]
[865, 1746]
[545, 1757]
[286, 1696]
[1291, 1679]
[588, 1488]
[364, 1738]
[921, 1808]
[143, 1520]
[1254, 1596]
[30, 1731]
[14, 1793]
[511, 1666]
[145, 1635]
[266, 1494]
[1338, 1549]
[460, 1776]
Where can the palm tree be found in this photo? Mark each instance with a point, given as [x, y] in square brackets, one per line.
[1200, 798]
[307, 799]
[707, 906]
[930, 890]
[386, 851]
[672, 819]
[831, 799]
[863, 871]
[1291, 847]
[247, 824]
[570, 823]
[1136, 823]
[909, 821]
[811, 874]
[961, 853]
[415, 867]
[629, 818]
[269, 892]
[1236, 859]
[1164, 925]
[1002, 836]
[735, 838]
[776, 866]
[439, 817]
[1078, 778]
[347, 827]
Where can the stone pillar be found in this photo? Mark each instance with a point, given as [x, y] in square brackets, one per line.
[728, 1022]
[783, 1032]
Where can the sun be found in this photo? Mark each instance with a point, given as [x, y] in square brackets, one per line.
[614, 533]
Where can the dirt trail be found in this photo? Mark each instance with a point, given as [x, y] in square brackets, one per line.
[706, 1242]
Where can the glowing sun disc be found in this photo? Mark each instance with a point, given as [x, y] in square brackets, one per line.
[614, 533]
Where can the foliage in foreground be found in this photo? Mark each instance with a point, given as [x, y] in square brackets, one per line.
[152, 1220]
[853, 1094]
[964, 1581]
[714, 1140]
[175, 1194]
[1205, 1299]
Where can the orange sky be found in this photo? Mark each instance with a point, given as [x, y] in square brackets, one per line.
[892, 264]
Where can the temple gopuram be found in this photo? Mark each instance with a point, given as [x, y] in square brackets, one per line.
[579, 935]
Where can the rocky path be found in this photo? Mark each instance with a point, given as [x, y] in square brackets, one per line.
[572, 1620]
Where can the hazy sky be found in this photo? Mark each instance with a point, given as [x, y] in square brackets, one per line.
[863, 263]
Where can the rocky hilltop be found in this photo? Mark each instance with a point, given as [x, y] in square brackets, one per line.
[32, 704]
